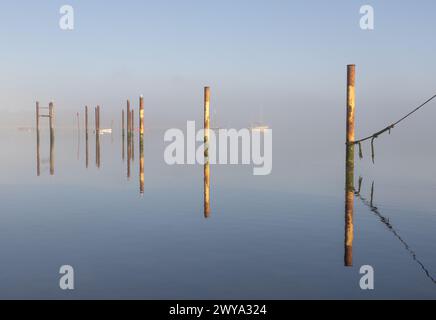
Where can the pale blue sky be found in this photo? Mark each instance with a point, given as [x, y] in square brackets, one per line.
[288, 57]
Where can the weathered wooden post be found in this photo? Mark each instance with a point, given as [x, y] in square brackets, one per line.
[52, 136]
[86, 138]
[349, 171]
[141, 115]
[141, 144]
[206, 152]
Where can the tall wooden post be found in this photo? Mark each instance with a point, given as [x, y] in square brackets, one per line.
[141, 144]
[206, 152]
[52, 137]
[86, 138]
[141, 115]
[349, 168]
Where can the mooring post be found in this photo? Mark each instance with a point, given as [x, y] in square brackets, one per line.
[206, 152]
[52, 136]
[349, 170]
[141, 115]
[141, 144]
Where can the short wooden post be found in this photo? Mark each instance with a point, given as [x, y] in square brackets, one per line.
[349, 168]
[206, 152]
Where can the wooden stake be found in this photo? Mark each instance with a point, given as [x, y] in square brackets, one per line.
[206, 152]
[141, 115]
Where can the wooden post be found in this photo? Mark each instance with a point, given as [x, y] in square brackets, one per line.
[128, 119]
[349, 168]
[86, 138]
[37, 116]
[141, 115]
[206, 152]
[52, 137]
[351, 99]
[141, 144]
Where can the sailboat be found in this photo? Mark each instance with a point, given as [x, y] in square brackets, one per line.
[259, 125]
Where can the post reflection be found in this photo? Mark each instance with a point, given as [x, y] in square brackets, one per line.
[349, 206]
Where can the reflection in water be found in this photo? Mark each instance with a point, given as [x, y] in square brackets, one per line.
[349, 206]
[390, 227]
[206, 152]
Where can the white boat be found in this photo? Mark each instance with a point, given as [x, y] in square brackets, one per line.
[105, 131]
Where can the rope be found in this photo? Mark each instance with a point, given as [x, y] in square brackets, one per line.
[390, 127]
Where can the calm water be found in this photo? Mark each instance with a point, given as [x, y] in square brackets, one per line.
[280, 236]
